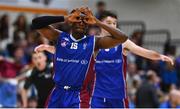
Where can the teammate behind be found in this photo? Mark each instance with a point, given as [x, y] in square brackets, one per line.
[110, 85]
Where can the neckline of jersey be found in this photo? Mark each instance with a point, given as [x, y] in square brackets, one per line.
[76, 40]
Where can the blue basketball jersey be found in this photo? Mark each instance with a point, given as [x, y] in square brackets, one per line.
[110, 73]
[72, 59]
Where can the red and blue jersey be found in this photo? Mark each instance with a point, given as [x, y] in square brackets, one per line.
[110, 68]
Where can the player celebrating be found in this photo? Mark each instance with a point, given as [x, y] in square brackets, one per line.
[73, 52]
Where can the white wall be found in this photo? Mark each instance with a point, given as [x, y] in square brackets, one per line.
[157, 14]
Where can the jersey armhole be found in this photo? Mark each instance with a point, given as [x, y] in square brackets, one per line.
[124, 51]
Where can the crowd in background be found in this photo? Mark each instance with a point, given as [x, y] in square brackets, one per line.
[150, 83]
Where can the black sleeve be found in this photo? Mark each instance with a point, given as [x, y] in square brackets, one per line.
[43, 21]
[29, 80]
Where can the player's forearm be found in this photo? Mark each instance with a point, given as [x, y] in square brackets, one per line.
[115, 33]
[152, 55]
[44, 21]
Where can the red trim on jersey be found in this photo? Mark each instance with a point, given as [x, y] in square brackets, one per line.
[88, 83]
[124, 74]
[126, 103]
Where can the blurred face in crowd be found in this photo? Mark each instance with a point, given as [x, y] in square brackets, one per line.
[101, 6]
[174, 97]
[32, 103]
[21, 20]
[132, 68]
[18, 54]
[39, 60]
[111, 21]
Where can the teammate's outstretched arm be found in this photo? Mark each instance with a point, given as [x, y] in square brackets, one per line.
[45, 47]
[149, 54]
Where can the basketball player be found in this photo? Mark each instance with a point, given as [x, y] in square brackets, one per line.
[74, 52]
[110, 67]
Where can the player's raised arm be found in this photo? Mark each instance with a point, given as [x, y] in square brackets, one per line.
[107, 41]
[42, 25]
[115, 37]
[149, 54]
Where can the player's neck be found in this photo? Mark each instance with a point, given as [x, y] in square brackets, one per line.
[77, 35]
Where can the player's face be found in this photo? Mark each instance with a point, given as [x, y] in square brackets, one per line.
[39, 60]
[111, 21]
[79, 27]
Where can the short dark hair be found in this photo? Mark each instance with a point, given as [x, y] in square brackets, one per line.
[100, 3]
[105, 14]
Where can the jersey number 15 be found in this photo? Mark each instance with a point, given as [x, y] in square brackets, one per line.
[74, 45]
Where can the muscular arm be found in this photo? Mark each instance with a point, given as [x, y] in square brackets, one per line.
[49, 32]
[42, 25]
[149, 54]
[116, 37]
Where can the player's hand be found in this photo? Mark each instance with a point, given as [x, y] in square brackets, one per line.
[40, 48]
[74, 16]
[167, 59]
[89, 18]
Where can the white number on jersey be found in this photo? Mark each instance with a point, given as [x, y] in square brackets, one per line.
[74, 45]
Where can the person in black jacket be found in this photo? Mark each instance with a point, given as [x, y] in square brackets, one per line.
[146, 96]
[40, 77]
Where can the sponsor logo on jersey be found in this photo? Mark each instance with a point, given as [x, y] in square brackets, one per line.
[84, 61]
[84, 45]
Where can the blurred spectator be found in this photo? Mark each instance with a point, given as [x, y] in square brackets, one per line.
[8, 92]
[137, 37]
[146, 96]
[133, 82]
[168, 72]
[131, 72]
[153, 65]
[19, 56]
[21, 28]
[41, 77]
[173, 101]
[8, 83]
[100, 6]
[9, 68]
[4, 27]
[168, 75]
[32, 102]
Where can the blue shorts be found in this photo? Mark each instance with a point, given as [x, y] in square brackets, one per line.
[62, 98]
[98, 102]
